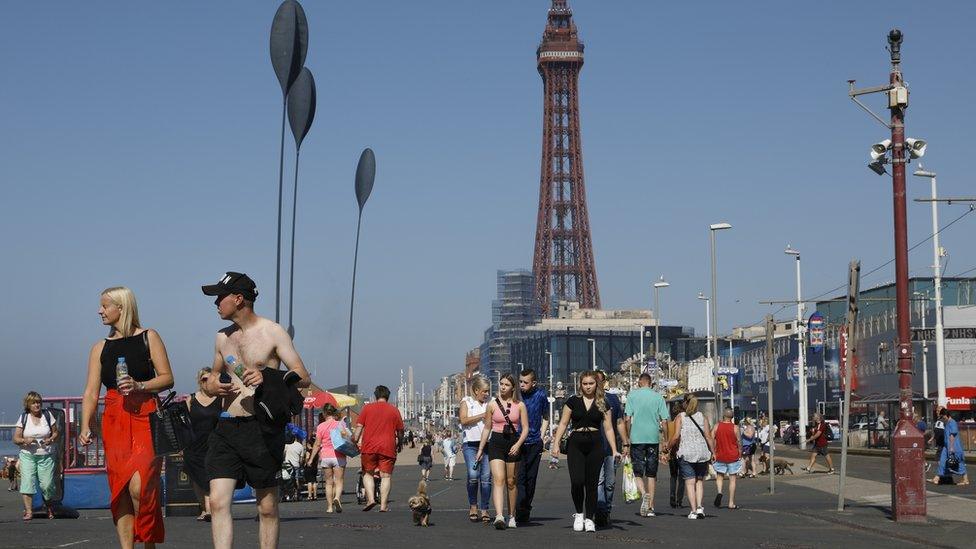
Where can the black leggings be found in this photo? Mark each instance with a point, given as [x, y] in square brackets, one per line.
[584, 452]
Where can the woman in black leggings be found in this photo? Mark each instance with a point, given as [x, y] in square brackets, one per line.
[584, 450]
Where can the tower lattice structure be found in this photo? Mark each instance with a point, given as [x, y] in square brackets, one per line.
[563, 263]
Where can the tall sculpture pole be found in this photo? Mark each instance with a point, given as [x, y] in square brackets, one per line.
[289, 44]
[365, 174]
[301, 113]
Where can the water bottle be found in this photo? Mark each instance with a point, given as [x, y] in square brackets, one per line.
[121, 371]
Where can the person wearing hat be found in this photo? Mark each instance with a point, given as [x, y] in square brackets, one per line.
[246, 362]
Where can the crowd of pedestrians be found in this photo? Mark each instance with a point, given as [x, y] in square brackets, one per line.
[241, 404]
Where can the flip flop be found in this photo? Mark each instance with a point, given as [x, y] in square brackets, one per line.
[733, 507]
[718, 500]
[485, 519]
[473, 517]
[369, 506]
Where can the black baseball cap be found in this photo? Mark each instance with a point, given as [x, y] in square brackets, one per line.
[233, 283]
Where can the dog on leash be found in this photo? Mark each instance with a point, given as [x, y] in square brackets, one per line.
[420, 505]
[780, 465]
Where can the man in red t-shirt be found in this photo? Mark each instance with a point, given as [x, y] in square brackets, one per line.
[820, 442]
[378, 432]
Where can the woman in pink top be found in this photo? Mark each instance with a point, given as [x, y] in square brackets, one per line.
[508, 424]
[332, 462]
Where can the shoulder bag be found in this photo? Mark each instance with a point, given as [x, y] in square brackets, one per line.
[170, 424]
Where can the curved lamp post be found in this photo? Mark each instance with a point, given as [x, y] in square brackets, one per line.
[301, 113]
[289, 44]
[365, 174]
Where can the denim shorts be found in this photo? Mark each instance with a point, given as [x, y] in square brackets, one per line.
[728, 468]
[692, 470]
[644, 459]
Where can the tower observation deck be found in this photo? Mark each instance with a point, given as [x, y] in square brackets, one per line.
[563, 261]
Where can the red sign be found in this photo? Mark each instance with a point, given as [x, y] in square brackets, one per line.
[961, 398]
[843, 362]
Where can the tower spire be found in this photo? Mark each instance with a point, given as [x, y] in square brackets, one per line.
[563, 262]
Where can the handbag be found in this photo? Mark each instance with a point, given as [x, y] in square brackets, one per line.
[170, 424]
[342, 444]
[952, 461]
[171, 428]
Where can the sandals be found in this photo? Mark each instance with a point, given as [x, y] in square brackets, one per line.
[473, 517]
[50, 513]
[337, 505]
[28, 516]
[485, 519]
[733, 507]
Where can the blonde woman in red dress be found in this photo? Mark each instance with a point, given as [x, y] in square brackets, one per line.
[132, 466]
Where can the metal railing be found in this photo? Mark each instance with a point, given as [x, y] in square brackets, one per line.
[79, 459]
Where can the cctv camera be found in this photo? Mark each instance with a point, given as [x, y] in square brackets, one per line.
[878, 167]
[879, 149]
[916, 147]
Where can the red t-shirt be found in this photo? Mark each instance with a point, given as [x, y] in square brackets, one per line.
[380, 420]
[821, 439]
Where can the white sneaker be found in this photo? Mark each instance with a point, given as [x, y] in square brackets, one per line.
[693, 515]
[650, 513]
[645, 504]
[589, 526]
[511, 521]
[578, 522]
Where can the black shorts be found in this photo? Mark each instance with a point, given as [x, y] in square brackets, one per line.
[499, 446]
[819, 450]
[237, 450]
[644, 459]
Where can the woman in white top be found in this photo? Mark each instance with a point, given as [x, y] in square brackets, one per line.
[35, 431]
[693, 434]
[472, 413]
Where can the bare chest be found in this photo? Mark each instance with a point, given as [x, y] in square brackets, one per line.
[253, 349]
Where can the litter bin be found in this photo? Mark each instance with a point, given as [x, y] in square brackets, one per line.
[180, 499]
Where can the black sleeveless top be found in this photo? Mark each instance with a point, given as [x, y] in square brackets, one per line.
[135, 349]
[581, 417]
[203, 418]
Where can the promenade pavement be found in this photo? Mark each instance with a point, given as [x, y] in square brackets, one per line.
[801, 514]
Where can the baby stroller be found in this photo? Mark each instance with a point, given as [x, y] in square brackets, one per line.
[290, 488]
[361, 488]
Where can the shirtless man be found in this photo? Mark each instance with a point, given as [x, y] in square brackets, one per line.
[237, 450]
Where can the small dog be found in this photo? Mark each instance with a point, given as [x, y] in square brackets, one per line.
[420, 505]
[780, 465]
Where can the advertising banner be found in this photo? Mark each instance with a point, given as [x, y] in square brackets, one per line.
[815, 327]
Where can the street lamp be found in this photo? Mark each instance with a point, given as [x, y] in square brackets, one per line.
[657, 317]
[937, 282]
[552, 398]
[923, 304]
[714, 302]
[801, 349]
[708, 326]
[592, 353]
[521, 366]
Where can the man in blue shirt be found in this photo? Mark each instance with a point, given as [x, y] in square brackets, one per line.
[608, 474]
[537, 408]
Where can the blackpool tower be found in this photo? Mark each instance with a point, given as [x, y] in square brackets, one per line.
[563, 263]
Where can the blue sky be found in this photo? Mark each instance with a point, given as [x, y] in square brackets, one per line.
[139, 147]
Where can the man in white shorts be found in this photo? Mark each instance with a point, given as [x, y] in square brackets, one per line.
[450, 456]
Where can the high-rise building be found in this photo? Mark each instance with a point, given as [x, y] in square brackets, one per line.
[514, 308]
[563, 263]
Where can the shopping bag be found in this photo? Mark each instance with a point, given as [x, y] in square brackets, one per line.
[631, 493]
[342, 444]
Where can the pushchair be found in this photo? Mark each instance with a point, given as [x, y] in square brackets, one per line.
[290, 487]
[361, 488]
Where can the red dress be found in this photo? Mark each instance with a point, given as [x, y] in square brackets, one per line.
[129, 450]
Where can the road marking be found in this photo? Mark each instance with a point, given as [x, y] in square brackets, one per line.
[73, 543]
[435, 494]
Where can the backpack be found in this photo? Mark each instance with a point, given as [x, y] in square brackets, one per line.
[828, 432]
[45, 413]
